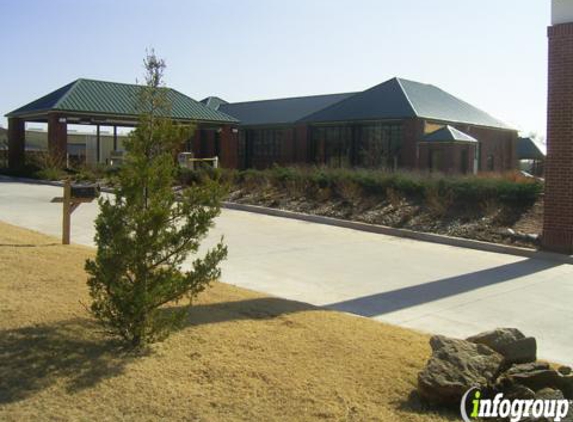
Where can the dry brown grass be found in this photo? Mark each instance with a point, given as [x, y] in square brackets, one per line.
[242, 357]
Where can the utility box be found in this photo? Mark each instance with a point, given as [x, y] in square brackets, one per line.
[185, 160]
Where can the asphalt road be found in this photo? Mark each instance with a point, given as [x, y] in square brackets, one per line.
[429, 287]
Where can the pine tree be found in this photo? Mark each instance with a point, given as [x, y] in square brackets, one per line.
[145, 233]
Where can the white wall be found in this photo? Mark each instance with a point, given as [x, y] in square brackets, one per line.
[561, 11]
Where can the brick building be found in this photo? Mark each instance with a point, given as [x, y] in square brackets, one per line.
[397, 124]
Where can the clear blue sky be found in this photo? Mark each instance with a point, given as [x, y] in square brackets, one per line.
[491, 53]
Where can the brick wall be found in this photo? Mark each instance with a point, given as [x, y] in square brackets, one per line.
[452, 157]
[558, 213]
[500, 144]
[412, 133]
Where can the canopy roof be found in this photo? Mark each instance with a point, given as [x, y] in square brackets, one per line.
[115, 101]
[529, 149]
[449, 134]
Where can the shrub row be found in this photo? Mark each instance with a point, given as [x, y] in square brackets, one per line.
[510, 188]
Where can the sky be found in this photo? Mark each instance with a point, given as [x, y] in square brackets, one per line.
[490, 53]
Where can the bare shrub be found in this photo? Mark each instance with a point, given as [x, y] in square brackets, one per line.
[394, 197]
[349, 190]
[49, 165]
[490, 207]
[438, 201]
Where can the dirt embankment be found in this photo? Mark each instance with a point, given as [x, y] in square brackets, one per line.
[490, 222]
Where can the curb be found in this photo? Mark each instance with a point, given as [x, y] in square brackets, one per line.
[365, 227]
[404, 233]
[43, 182]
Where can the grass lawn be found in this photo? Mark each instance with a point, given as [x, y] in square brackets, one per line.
[243, 356]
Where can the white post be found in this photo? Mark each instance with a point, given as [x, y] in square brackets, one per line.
[561, 11]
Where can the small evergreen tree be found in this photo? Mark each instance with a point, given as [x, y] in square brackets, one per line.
[146, 232]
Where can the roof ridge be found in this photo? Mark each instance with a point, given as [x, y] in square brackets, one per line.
[111, 82]
[388, 81]
[399, 80]
[202, 105]
[67, 94]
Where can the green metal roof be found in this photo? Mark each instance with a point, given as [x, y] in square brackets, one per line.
[449, 134]
[400, 98]
[115, 99]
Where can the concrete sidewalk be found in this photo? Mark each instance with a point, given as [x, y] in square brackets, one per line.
[430, 287]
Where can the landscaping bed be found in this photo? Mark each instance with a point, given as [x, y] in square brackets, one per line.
[504, 209]
[241, 355]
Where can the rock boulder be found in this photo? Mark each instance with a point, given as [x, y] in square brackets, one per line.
[511, 343]
[454, 367]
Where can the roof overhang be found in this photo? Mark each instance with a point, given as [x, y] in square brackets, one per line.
[87, 118]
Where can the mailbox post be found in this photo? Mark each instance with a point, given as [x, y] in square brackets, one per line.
[66, 223]
[73, 197]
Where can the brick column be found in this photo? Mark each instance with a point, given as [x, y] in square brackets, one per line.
[57, 138]
[558, 214]
[229, 147]
[16, 143]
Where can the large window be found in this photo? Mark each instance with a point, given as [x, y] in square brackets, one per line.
[260, 147]
[364, 145]
[378, 145]
[267, 143]
[333, 145]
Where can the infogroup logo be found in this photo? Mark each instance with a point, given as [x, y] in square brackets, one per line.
[515, 410]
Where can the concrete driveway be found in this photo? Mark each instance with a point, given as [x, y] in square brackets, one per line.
[425, 286]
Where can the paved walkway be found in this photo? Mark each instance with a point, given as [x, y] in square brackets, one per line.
[434, 288]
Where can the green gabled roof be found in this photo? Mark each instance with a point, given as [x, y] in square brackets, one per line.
[449, 134]
[400, 98]
[115, 99]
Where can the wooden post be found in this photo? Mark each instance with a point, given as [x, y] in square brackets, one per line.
[66, 223]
